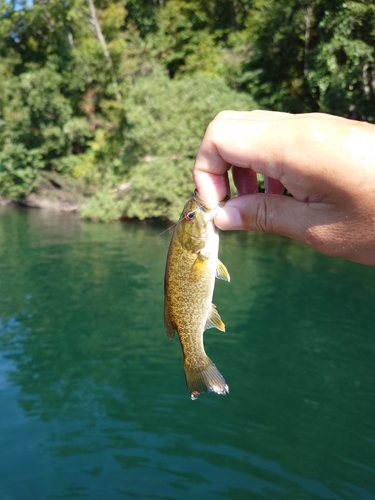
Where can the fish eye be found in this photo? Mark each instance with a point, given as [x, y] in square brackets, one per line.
[189, 216]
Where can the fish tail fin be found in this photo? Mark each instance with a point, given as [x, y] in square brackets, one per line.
[205, 378]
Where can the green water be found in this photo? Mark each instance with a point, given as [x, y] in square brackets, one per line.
[93, 402]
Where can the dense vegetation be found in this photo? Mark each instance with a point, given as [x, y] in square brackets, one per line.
[117, 94]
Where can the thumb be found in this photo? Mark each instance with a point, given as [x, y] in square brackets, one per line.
[270, 213]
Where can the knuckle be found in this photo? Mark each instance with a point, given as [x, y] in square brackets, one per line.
[263, 217]
[212, 128]
[216, 130]
[312, 238]
[223, 115]
[322, 239]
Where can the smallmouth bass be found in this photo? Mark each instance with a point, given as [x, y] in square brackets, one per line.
[191, 268]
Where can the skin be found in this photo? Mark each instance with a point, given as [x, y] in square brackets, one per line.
[326, 162]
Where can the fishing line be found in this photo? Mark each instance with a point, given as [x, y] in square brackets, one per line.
[175, 224]
[168, 228]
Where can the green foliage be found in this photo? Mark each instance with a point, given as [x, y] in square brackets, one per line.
[127, 100]
[103, 206]
[34, 112]
[312, 56]
[159, 188]
[168, 117]
[273, 72]
[344, 73]
[18, 174]
[167, 120]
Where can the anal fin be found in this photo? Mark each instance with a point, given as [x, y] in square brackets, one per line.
[214, 320]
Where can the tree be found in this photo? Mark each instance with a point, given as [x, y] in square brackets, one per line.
[312, 55]
[343, 74]
[116, 92]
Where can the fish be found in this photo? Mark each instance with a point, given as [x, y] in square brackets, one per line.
[191, 268]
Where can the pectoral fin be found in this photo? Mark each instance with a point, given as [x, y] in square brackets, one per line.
[222, 271]
[214, 320]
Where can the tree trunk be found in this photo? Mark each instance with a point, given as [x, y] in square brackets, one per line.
[103, 43]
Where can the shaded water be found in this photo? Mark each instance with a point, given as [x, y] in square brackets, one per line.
[92, 394]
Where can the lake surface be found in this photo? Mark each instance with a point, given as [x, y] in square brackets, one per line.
[93, 401]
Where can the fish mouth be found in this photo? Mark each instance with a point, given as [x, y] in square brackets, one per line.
[206, 204]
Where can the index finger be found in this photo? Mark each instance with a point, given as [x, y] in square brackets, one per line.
[234, 138]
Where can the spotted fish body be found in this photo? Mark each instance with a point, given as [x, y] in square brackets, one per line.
[192, 265]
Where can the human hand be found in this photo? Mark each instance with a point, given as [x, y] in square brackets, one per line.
[326, 162]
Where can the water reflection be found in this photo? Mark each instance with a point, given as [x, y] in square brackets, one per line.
[93, 398]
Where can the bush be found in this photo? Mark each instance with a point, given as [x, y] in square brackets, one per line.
[159, 188]
[104, 206]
